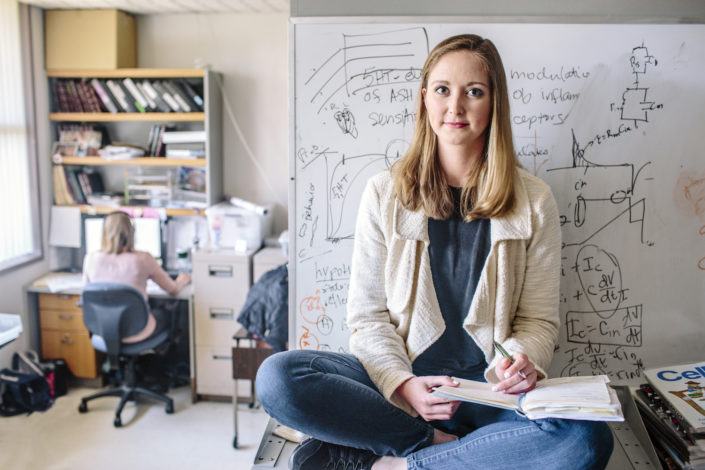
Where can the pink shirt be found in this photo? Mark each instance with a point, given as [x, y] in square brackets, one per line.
[133, 268]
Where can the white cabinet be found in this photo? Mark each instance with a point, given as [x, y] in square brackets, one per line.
[221, 280]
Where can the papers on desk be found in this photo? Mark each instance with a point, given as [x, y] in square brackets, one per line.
[57, 282]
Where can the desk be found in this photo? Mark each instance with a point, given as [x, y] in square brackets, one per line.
[71, 287]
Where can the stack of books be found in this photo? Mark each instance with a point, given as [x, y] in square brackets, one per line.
[155, 143]
[127, 95]
[75, 185]
[185, 144]
[673, 409]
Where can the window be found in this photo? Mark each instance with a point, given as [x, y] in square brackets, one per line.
[19, 215]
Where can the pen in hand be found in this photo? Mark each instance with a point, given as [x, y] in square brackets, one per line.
[504, 353]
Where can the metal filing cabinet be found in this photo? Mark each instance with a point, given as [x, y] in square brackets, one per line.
[221, 280]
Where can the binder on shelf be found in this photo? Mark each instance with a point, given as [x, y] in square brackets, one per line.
[154, 138]
[61, 99]
[139, 100]
[90, 96]
[155, 145]
[150, 102]
[91, 183]
[119, 95]
[179, 87]
[62, 197]
[178, 96]
[132, 103]
[72, 93]
[74, 186]
[110, 94]
[159, 87]
[149, 90]
[195, 97]
[104, 97]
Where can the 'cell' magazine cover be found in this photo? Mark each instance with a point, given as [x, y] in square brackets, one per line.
[682, 386]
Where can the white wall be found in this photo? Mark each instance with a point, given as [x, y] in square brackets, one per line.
[251, 51]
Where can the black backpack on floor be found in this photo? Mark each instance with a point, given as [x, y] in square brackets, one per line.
[24, 392]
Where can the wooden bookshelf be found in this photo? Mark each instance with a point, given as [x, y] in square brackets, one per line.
[134, 127]
[126, 73]
[170, 211]
[143, 161]
[127, 117]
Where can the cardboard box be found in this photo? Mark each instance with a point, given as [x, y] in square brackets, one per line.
[89, 39]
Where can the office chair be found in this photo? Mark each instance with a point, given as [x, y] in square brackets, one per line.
[111, 312]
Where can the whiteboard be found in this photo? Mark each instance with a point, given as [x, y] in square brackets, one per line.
[611, 116]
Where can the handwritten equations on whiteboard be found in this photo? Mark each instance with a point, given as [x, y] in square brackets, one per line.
[611, 116]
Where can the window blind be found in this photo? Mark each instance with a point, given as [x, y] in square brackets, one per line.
[19, 238]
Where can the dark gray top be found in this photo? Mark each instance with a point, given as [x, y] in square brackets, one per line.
[457, 252]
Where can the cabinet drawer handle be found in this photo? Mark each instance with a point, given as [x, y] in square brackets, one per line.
[65, 317]
[217, 357]
[222, 314]
[66, 340]
[64, 296]
[220, 271]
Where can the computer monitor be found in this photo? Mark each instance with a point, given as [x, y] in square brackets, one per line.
[148, 235]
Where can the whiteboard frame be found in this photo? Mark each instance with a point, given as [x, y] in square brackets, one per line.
[295, 21]
[489, 19]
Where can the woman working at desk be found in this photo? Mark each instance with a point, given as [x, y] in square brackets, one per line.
[455, 247]
[117, 261]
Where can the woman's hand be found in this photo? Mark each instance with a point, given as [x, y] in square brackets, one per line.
[513, 381]
[417, 392]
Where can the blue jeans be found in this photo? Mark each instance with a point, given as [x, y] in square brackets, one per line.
[330, 397]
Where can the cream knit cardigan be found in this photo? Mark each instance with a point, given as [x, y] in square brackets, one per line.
[393, 310]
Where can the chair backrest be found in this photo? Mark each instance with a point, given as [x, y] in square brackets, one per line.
[113, 311]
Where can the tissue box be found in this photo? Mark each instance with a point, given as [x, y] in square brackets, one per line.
[89, 39]
[237, 228]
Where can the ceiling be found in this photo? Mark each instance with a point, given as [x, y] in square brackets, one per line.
[147, 7]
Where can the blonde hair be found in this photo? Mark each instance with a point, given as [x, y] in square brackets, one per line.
[419, 182]
[118, 234]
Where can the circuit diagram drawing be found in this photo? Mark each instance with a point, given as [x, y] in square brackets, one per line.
[603, 199]
[635, 105]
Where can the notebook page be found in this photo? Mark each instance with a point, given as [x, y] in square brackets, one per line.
[569, 391]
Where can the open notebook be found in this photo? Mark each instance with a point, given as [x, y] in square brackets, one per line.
[585, 398]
